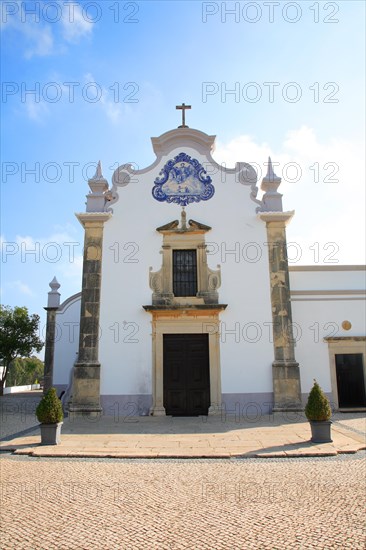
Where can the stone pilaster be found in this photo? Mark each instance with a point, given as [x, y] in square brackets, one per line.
[52, 307]
[202, 269]
[157, 408]
[167, 271]
[285, 369]
[86, 376]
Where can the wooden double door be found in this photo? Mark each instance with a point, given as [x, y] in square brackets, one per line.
[186, 371]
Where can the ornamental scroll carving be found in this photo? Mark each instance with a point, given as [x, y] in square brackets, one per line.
[214, 278]
[156, 281]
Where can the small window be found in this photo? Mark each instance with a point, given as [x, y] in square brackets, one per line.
[184, 272]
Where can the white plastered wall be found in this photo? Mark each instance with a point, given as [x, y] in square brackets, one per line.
[322, 299]
[67, 339]
[125, 346]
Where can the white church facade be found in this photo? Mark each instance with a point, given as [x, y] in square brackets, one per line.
[188, 305]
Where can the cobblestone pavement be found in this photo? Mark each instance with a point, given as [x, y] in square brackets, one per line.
[355, 422]
[107, 504]
[235, 504]
[17, 412]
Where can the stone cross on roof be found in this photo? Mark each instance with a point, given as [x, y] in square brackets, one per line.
[183, 108]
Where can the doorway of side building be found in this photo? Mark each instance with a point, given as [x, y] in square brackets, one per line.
[186, 374]
[350, 380]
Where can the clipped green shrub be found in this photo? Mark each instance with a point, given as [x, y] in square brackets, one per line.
[318, 407]
[49, 409]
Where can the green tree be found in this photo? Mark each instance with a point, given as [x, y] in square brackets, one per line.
[16, 373]
[18, 337]
[34, 368]
[24, 371]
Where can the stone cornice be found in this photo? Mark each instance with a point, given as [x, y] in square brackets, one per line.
[282, 217]
[193, 227]
[327, 268]
[182, 308]
[100, 217]
[328, 292]
[183, 137]
[341, 339]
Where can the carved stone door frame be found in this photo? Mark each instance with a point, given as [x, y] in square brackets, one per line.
[185, 322]
[344, 345]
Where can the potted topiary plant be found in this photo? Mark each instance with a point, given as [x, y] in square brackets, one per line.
[50, 415]
[318, 412]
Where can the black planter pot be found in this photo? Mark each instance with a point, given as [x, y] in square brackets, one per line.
[320, 431]
[51, 433]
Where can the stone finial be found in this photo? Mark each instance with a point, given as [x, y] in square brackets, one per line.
[272, 199]
[271, 176]
[98, 173]
[54, 295]
[183, 219]
[99, 186]
[54, 284]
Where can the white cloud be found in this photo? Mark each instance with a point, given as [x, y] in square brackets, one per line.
[36, 110]
[324, 183]
[112, 109]
[31, 262]
[241, 148]
[45, 34]
[41, 40]
[72, 270]
[37, 34]
[61, 252]
[74, 23]
[21, 287]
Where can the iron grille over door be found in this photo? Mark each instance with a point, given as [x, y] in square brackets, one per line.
[184, 272]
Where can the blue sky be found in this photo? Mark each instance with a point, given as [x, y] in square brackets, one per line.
[108, 75]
